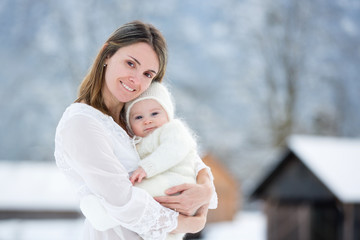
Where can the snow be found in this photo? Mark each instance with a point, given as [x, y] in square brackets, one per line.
[35, 185]
[41, 186]
[335, 161]
[247, 225]
[41, 229]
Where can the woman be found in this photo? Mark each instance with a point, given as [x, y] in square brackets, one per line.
[94, 151]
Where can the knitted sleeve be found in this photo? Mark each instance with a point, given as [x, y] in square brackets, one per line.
[175, 144]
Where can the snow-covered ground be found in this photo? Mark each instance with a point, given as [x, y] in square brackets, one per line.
[246, 226]
[41, 229]
[41, 187]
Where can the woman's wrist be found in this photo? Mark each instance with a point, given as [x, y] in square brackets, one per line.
[204, 180]
[203, 177]
[187, 224]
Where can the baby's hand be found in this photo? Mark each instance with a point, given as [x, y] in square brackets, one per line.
[138, 175]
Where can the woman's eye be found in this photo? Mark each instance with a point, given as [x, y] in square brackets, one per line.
[131, 64]
[148, 75]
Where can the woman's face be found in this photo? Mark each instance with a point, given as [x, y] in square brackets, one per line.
[129, 72]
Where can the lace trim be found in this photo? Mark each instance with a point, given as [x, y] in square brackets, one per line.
[151, 228]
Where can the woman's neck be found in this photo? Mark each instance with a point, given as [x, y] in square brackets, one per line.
[115, 112]
[113, 105]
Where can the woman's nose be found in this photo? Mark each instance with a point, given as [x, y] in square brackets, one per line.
[134, 78]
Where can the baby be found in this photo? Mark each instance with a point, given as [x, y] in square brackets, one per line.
[165, 145]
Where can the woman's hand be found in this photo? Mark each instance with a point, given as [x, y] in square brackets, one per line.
[190, 196]
[194, 224]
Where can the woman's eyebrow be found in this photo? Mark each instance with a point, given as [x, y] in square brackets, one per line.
[137, 61]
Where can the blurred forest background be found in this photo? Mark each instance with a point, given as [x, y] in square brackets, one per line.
[245, 73]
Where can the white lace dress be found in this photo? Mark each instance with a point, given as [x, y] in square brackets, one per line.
[96, 155]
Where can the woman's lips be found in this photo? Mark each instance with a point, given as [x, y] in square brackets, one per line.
[127, 87]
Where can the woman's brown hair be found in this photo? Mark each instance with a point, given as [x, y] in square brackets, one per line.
[130, 33]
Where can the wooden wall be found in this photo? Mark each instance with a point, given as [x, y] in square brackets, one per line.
[227, 190]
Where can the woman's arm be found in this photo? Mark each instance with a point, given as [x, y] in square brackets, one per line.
[192, 224]
[102, 221]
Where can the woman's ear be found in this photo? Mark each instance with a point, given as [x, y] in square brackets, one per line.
[104, 46]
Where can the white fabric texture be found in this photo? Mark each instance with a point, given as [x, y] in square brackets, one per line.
[168, 156]
[96, 155]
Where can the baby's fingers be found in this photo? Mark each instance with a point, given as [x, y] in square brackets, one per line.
[133, 178]
[140, 178]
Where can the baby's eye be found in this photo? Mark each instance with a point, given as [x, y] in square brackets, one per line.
[154, 113]
[138, 117]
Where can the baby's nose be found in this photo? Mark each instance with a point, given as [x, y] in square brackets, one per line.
[147, 121]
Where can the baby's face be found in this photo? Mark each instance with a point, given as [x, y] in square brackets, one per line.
[146, 116]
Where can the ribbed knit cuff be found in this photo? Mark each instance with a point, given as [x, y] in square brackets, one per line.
[149, 168]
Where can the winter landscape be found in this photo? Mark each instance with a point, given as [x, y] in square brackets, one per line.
[245, 74]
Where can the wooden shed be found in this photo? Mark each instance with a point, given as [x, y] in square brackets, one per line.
[313, 192]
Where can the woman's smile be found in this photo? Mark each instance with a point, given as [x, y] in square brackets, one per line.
[129, 71]
[127, 87]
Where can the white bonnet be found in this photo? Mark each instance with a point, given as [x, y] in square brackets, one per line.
[157, 92]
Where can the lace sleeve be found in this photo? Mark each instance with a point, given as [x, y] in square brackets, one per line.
[155, 221]
[90, 153]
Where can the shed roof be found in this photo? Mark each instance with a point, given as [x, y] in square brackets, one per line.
[334, 161]
[35, 186]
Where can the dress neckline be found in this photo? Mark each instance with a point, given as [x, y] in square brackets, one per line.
[101, 115]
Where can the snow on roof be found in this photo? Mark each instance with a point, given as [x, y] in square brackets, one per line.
[35, 186]
[335, 161]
